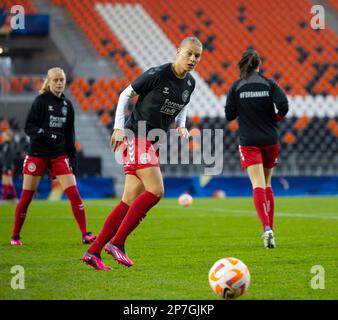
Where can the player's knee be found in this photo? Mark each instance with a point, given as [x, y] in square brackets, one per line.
[157, 191]
[129, 199]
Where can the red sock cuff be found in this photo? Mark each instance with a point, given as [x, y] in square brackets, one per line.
[152, 197]
[124, 205]
[27, 193]
[269, 189]
[72, 192]
[258, 190]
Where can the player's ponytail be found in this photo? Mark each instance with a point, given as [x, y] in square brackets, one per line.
[45, 85]
[249, 62]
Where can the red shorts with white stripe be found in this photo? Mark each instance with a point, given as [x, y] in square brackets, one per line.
[266, 155]
[36, 166]
[139, 153]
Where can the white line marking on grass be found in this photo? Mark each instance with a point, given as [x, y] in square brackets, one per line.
[252, 212]
[234, 212]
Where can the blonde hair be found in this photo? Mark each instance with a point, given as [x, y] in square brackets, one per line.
[8, 135]
[45, 85]
[194, 40]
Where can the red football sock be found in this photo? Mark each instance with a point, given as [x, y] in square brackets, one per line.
[110, 227]
[21, 211]
[77, 207]
[136, 213]
[4, 191]
[270, 205]
[259, 198]
[13, 192]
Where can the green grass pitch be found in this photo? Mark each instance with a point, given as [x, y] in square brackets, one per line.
[173, 250]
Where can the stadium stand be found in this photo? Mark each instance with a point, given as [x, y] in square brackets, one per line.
[139, 34]
[136, 35]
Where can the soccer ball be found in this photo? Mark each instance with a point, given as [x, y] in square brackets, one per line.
[185, 200]
[229, 278]
[219, 194]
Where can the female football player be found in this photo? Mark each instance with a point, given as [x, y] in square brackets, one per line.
[252, 99]
[164, 91]
[8, 155]
[50, 126]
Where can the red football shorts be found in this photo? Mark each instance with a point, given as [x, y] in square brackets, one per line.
[36, 166]
[266, 155]
[138, 153]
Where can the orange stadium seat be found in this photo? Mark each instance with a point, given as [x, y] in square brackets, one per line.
[27, 4]
[289, 138]
[301, 123]
[195, 120]
[233, 125]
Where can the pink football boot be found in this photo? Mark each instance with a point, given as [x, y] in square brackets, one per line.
[94, 261]
[15, 241]
[88, 238]
[118, 254]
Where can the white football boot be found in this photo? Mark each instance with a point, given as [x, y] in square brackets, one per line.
[269, 239]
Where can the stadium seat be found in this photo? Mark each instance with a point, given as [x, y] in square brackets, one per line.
[27, 4]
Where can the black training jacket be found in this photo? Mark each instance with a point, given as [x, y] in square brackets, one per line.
[50, 126]
[256, 101]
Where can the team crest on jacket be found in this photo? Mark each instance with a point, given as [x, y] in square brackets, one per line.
[185, 95]
[64, 111]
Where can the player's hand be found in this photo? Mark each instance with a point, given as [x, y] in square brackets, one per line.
[279, 117]
[116, 139]
[73, 164]
[183, 132]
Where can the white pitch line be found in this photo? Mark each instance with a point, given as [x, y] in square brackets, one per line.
[234, 212]
[325, 215]
[251, 212]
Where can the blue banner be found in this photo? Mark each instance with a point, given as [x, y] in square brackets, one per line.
[200, 187]
[26, 25]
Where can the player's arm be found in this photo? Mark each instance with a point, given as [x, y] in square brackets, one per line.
[280, 100]
[230, 106]
[124, 99]
[180, 121]
[70, 139]
[181, 118]
[33, 127]
[141, 85]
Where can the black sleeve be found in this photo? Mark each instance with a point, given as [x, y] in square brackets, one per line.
[280, 99]
[230, 106]
[33, 127]
[70, 133]
[146, 81]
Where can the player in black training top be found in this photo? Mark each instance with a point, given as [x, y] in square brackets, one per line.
[50, 126]
[164, 92]
[8, 157]
[253, 99]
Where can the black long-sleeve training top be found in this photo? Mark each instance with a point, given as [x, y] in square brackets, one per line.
[162, 96]
[7, 155]
[50, 126]
[253, 101]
